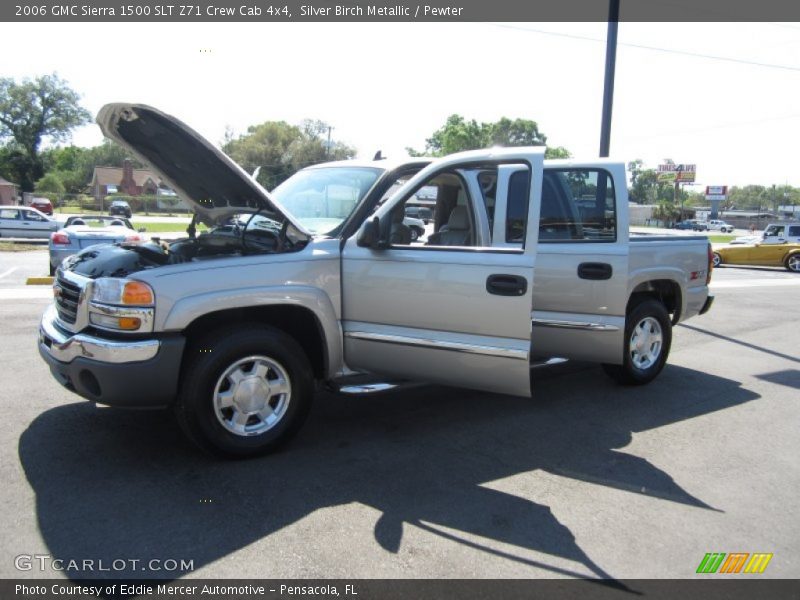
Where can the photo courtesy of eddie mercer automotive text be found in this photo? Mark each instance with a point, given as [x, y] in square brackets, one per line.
[317, 284]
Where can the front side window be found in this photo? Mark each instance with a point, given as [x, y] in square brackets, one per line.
[578, 205]
[774, 231]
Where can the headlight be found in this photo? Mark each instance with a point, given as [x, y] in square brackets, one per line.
[123, 292]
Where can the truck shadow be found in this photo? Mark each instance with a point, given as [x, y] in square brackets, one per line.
[118, 484]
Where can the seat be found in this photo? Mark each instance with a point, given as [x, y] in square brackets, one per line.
[456, 232]
[78, 222]
[117, 223]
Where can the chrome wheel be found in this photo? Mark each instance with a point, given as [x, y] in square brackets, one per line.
[252, 395]
[717, 259]
[645, 343]
[793, 263]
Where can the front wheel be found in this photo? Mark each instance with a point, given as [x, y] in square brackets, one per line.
[414, 234]
[244, 392]
[716, 259]
[793, 263]
[648, 336]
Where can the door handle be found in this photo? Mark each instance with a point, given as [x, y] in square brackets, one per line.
[595, 271]
[506, 285]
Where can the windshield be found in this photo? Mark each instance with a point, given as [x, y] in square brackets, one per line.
[321, 199]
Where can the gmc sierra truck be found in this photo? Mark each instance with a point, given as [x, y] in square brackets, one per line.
[321, 283]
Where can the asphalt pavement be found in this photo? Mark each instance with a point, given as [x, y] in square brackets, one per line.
[587, 479]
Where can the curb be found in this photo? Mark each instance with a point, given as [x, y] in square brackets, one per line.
[39, 281]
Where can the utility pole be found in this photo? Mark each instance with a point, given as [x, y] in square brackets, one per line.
[608, 86]
[328, 147]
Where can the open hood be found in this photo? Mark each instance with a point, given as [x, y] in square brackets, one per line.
[203, 176]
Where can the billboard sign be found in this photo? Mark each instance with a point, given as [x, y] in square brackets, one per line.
[716, 192]
[674, 173]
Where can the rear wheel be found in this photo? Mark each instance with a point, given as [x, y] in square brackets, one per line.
[648, 336]
[244, 392]
[792, 263]
[716, 259]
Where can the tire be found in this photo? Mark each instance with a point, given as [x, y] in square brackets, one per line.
[648, 336]
[716, 259]
[266, 368]
[792, 263]
[52, 270]
[414, 234]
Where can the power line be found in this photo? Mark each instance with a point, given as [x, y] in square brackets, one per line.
[657, 49]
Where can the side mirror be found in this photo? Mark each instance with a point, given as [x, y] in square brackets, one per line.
[370, 235]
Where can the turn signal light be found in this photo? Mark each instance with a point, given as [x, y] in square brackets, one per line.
[138, 293]
[129, 323]
[59, 238]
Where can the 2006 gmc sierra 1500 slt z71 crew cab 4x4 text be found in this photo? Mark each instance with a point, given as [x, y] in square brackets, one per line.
[320, 282]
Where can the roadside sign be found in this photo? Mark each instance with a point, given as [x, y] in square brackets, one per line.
[676, 173]
[716, 192]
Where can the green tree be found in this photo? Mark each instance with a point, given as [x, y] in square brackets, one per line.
[30, 111]
[281, 149]
[50, 183]
[459, 134]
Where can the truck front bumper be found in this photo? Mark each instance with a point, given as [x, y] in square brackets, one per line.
[124, 373]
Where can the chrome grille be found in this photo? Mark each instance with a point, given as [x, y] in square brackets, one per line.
[67, 299]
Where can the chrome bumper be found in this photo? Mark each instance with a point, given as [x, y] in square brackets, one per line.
[65, 349]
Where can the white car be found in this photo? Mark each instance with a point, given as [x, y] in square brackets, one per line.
[718, 225]
[26, 222]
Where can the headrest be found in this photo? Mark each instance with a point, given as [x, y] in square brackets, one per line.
[459, 219]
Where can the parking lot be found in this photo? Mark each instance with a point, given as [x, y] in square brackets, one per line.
[587, 479]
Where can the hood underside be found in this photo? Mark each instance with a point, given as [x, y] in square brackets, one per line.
[203, 176]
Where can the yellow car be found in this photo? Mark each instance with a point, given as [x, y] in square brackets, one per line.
[768, 255]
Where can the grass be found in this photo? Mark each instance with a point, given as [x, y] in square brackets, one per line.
[164, 226]
[20, 247]
[720, 238]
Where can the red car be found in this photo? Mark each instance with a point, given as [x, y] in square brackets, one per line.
[43, 205]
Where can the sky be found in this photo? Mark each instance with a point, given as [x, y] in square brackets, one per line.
[724, 96]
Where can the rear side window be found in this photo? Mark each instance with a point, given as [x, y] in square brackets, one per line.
[794, 230]
[578, 205]
[9, 214]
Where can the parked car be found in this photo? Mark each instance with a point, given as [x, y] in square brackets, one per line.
[26, 222]
[718, 225]
[417, 227]
[420, 212]
[120, 207]
[83, 231]
[233, 330]
[43, 205]
[693, 224]
[760, 254]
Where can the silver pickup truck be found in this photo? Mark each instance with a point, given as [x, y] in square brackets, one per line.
[320, 282]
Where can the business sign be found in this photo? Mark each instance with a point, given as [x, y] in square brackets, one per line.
[716, 192]
[673, 173]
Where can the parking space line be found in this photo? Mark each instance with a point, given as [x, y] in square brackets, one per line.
[752, 283]
[9, 272]
[26, 293]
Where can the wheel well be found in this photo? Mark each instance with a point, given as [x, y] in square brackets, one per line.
[298, 322]
[665, 291]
